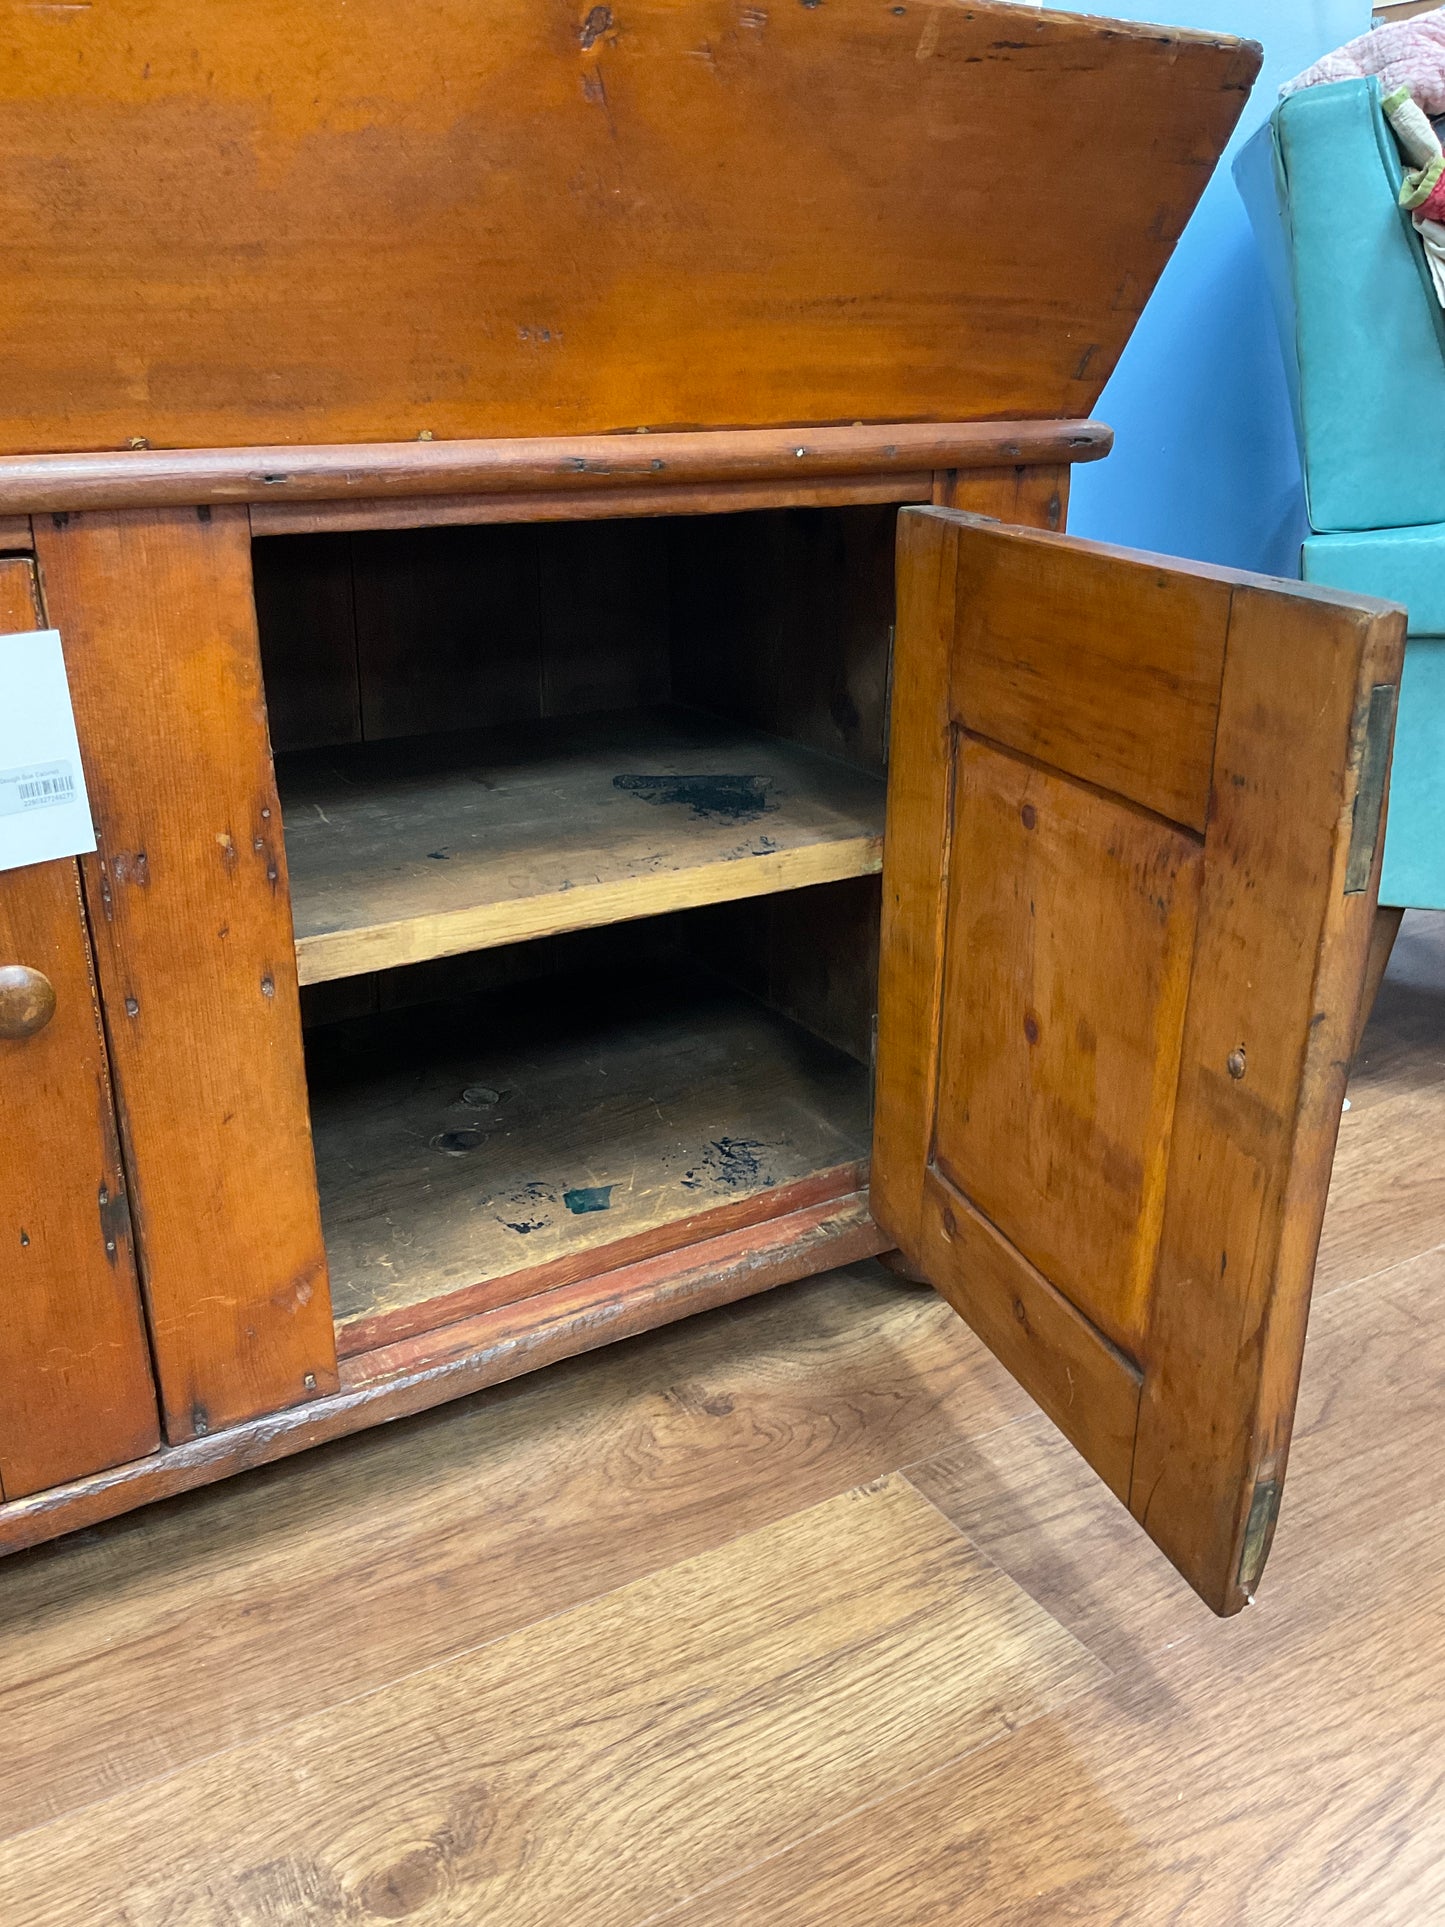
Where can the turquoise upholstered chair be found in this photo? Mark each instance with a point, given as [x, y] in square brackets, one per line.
[1364, 341]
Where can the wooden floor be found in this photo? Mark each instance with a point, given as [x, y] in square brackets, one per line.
[793, 1615]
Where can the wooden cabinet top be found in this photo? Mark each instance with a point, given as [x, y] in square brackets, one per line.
[331, 221]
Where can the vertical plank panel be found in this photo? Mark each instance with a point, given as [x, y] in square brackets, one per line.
[195, 957]
[447, 628]
[604, 616]
[307, 617]
[75, 1377]
[782, 620]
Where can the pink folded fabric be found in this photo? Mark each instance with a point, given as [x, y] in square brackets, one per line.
[1411, 53]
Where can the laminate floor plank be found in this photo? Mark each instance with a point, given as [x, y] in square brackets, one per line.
[597, 1765]
[1307, 1794]
[131, 1649]
[1284, 1770]
[1387, 1201]
[1031, 1503]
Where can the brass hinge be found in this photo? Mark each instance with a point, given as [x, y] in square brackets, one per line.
[1370, 796]
[1258, 1531]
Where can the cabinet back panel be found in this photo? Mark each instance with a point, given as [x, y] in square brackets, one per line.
[781, 619]
[778, 619]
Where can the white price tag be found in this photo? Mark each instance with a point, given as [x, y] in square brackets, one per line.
[44, 811]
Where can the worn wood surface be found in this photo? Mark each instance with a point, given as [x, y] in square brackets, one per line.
[463, 1143]
[677, 216]
[188, 903]
[872, 1591]
[447, 844]
[1274, 1771]
[1074, 983]
[1124, 698]
[1024, 1106]
[593, 504]
[75, 1379]
[608, 469]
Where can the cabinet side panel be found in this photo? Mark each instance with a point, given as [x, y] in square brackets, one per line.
[191, 913]
[75, 1378]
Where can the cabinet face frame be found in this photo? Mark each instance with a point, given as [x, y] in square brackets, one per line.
[393, 1380]
[188, 901]
[1129, 881]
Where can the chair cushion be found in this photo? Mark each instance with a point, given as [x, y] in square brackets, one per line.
[1405, 565]
[1359, 318]
[1398, 565]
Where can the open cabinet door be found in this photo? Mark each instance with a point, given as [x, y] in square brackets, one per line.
[1129, 878]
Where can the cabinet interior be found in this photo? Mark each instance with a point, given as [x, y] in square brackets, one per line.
[583, 824]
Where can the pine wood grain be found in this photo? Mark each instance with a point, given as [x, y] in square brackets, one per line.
[1278, 968]
[672, 217]
[308, 517]
[434, 848]
[1125, 698]
[911, 957]
[75, 1380]
[188, 903]
[1051, 1079]
[458, 1792]
[607, 470]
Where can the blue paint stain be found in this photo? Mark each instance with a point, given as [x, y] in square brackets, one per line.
[588, 1197]
[724, 799]
[730, 1164]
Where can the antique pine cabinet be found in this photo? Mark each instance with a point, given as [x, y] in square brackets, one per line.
[612, 789]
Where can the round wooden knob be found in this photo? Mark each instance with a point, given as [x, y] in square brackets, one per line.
[27, 1000]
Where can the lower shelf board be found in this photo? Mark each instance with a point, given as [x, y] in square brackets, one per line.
[430, 846]
[469, 1154]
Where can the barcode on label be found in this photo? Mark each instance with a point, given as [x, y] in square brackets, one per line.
[44, 787]
[35, 789]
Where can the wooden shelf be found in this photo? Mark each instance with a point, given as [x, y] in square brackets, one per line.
[432, 846]
[471, 1153]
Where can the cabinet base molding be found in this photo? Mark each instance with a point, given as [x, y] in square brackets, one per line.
[417, 1373]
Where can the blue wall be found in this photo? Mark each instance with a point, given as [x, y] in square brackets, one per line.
[1204, 464]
